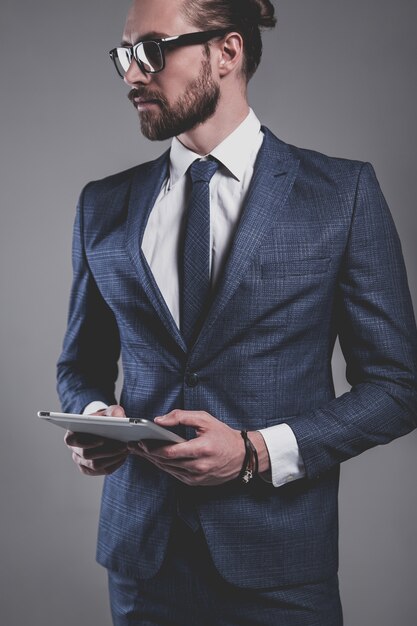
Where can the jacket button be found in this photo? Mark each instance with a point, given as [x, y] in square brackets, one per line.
[192, 379]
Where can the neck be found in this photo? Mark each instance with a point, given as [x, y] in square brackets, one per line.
[203, 138]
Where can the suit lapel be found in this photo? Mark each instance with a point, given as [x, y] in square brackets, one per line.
[274, 175]
[144, 191]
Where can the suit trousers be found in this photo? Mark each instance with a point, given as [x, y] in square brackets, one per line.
[188, 591]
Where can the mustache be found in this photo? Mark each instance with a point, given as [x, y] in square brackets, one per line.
[145, 94]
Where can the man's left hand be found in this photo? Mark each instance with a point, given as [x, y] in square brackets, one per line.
[213, 457]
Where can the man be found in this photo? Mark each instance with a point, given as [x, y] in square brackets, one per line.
[224, 271]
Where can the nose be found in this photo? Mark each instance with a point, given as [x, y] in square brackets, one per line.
[135, 75]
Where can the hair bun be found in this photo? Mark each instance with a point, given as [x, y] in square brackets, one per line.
[265, 13]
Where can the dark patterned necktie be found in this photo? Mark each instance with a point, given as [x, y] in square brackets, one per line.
[196, 257]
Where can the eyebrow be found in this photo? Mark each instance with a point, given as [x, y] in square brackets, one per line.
[150, 35]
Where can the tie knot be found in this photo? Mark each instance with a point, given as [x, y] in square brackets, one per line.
[203, 171]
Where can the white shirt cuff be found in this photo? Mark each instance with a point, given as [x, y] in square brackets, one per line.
[93, 407]
[284, 454]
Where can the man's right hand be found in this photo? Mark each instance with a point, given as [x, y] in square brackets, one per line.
[97, 456]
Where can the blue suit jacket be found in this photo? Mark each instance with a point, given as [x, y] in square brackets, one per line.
[315, 255]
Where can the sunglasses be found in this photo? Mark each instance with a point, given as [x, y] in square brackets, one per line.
[150, 54]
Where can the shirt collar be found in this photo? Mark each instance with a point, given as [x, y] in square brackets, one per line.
[234, 152]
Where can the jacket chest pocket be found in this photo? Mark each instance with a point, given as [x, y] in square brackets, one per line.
[295, 289]
[293, 268]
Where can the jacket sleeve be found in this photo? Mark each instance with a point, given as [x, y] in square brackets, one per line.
[375, 322]
[87, 368]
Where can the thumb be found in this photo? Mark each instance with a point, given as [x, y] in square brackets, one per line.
[115, 410]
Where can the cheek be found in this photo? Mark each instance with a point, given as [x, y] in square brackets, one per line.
[183, 65]
[173, 89]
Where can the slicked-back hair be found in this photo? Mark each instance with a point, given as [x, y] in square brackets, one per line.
[246, 17]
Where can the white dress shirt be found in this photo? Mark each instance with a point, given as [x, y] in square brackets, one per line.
[161, 244]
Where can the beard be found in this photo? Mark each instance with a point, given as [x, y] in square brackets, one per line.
[197, 104]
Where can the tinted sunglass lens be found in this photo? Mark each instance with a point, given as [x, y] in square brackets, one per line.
[121, 58]
[149, 56]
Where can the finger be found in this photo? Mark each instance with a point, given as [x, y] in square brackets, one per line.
[181, 474]
[112, 468]
[108, 450]
[149, 445]
[191, 473]
[83, 440]
[98, 464]
[184, 467]
[195, 419]
[177, 451]
[101, 472]
[177, 472]
[139, 448]
[115, 410]
[97, 447]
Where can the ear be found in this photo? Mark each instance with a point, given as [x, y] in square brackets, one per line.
[231, 53]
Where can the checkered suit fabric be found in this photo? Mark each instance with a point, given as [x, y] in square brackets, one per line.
[196, 257]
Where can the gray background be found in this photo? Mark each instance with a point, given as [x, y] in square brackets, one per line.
[337, 76]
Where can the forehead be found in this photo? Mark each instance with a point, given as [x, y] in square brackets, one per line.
[155, 17]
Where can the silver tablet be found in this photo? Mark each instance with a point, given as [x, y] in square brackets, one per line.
[120, 428]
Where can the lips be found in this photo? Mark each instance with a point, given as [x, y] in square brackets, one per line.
[143, 103]
[143, 100]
